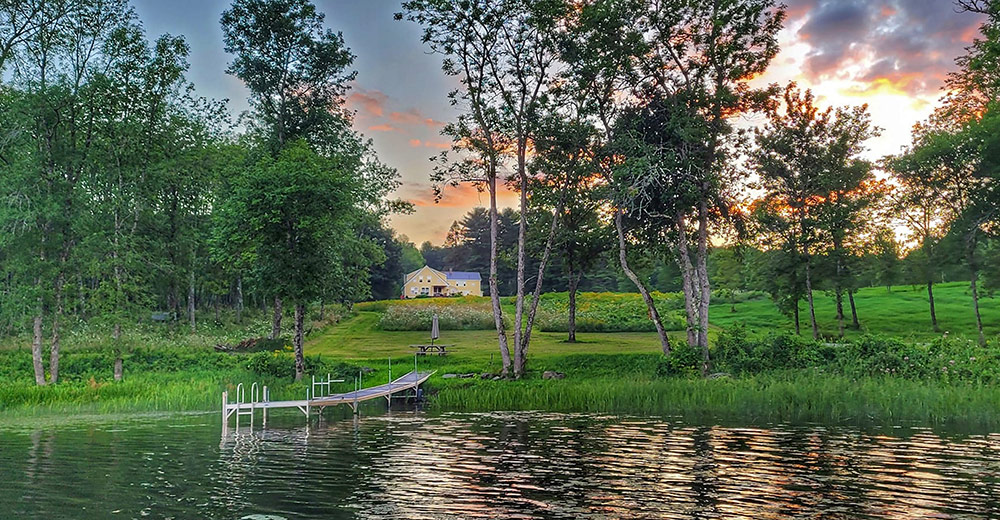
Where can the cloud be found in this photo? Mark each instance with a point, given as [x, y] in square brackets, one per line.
[903, 45]
[465, 195]
[440, 145]
[383, 128]
[369, 102]
[414, 117]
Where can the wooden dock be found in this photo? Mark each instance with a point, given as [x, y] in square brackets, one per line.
[260, 398]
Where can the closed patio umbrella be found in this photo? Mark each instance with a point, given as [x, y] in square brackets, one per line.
[435, 329]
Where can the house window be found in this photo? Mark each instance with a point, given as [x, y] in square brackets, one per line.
[413, 290]
[425, 290]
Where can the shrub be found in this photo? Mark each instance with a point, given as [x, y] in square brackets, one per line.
[684, 360]
[738, 352]
[471, 316]
[275, 364]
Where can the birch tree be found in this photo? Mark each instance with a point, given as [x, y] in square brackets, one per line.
[504, 54]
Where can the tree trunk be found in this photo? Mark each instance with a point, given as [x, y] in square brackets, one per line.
[55, 345]
[519, 367]
[838, 289]
[974, 273]
[930, 298]
[688, 281]
[190, 301]
[239, 298]
[115, 335]
[522, 238]
[798, 324]
[704, 286]
[81, 295]
[300, 364]
[855, 324]
[36, 346]
[322, 310]
[494, 286]
[809, 297]
[839, 297]
[276, 320]
[174, 302]
[574, 281]
[650, 304]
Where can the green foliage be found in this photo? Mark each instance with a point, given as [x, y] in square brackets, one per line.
[295, 68]
[684, 360]
[947, 360]
[450, 317]
[609, 312]
[736, 351]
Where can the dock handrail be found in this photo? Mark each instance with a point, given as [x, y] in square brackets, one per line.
[241, 406]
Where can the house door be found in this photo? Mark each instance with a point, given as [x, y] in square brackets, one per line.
[439, 290]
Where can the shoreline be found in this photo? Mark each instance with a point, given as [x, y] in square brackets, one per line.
[791, 397]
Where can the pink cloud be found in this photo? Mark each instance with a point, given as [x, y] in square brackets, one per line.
[383, 128]
[414, 117]
[371, 102]
[438, 145]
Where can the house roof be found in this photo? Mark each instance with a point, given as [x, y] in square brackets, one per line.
[463, 275]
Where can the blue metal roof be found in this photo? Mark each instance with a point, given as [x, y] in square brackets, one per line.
[462, 275]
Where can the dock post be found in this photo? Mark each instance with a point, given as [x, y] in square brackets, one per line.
[225, 401]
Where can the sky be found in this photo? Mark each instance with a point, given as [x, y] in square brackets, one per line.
[893, 55]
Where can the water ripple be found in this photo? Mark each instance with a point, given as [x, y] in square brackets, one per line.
[495, 465]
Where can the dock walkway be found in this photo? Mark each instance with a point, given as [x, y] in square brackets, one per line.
[242, 406]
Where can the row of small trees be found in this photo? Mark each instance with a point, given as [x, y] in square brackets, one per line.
[124, 192]
[623, 113]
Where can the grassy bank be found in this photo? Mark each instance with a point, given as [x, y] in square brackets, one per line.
[905, 373]
[787, 398]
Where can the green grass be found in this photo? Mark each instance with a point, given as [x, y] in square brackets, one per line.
[904, 312]
[606, 372]
[766, 399]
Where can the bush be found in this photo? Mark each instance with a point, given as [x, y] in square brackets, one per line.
[471, 316]
[275, 364]
[737, 352]
[684, 360]
[945, 359]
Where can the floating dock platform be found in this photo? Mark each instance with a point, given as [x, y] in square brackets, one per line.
[260, 397]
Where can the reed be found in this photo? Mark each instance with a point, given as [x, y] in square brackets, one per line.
[794, 398]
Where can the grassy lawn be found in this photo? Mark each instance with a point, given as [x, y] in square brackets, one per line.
[358, 338]
[903, 313]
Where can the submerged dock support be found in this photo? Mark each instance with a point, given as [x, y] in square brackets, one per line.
[260, 397]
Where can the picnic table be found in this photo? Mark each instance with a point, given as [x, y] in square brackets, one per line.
[423, 350]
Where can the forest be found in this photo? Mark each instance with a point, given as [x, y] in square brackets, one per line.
[128, 198]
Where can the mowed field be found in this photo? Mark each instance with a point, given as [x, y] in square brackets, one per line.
[901, 312]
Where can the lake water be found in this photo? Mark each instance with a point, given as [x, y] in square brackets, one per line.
[496, 465]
